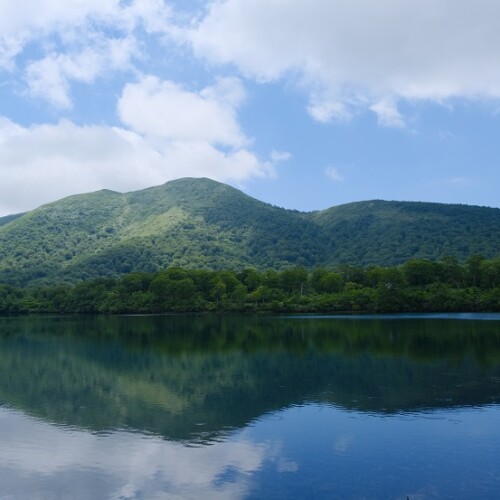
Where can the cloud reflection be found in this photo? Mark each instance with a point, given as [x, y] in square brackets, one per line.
[38, 459]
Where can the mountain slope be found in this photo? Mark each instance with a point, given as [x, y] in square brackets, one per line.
[382, 232]
[200, 223]
[188, 222]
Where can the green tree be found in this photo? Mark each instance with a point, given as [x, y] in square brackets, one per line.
[294, 280]
[420, 272]
[489, 270]
[451, 271]
[473, 266]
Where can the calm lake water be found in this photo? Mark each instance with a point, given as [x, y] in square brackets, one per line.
[235, 407]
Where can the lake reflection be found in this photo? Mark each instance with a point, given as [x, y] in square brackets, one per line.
[249, 407]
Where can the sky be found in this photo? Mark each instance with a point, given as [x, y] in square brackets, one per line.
[304, 104]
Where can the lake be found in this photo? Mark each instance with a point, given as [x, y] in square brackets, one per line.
[250, 407]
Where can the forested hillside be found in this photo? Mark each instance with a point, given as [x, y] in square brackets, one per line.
[391, 232]
[203, 224]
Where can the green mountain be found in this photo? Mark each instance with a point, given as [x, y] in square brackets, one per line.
[200, 223]
[9, 218]
[392, 232]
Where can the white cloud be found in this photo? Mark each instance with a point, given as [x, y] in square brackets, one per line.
[39, 18]
[333, 174]
[76, 40]
[198, 131]
[43, 163]
[50, 77]
[279, 156]
[46, 78]
[9, 48]
[349, 55]
[324, 110]
[46, 162]
[36, 19]
[163, 108]
[354, 54]
[47, 15]
[228, 92]
[388, 114]
[200, 159]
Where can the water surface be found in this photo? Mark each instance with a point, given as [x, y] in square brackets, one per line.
[250, 407]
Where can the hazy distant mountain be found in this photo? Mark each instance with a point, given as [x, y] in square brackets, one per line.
[9, 218]
[200, 223]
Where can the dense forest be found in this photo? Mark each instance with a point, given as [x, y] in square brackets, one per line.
[419, 285]
[200, 224]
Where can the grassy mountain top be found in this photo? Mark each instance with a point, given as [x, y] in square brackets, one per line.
[201, 223]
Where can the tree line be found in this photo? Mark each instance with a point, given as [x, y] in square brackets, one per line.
[419, 285]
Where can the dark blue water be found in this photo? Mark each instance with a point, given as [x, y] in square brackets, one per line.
[250, 407]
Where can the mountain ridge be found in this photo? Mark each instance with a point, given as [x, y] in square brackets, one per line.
[198, 222]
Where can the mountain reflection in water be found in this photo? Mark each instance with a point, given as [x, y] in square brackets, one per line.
[203, 395]
[194, 377]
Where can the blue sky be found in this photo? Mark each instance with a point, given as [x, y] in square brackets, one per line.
[303, 104]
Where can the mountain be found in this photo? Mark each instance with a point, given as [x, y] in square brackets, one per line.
[201, 223]
[9, 218]
[392, 232]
